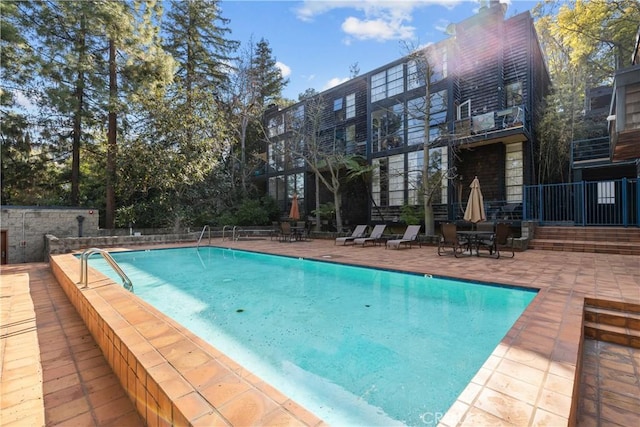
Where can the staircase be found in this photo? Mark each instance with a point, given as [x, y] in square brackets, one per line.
[611, 321]
[610, 240]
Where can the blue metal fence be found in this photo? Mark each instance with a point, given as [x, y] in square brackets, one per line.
[615, 202]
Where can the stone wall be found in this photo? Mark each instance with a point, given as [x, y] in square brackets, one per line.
[55, 245]
[27, 226]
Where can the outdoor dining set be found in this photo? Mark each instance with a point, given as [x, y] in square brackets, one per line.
[481, 236]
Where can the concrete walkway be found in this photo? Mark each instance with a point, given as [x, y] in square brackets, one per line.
[53, 373]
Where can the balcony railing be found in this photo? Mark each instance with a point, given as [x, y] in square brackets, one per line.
[593, 150]
[493, 121]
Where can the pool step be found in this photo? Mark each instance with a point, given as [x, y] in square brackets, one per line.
[614, 322]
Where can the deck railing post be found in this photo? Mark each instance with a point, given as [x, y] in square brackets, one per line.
[625, 215]
[540, 201]
[638, 201]
[584, 203]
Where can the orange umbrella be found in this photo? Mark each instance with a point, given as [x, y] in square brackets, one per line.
[475, 206]
[294, 213]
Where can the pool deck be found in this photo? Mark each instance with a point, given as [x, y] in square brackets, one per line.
[532, 377]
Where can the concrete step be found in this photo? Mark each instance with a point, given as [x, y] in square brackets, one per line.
[614, 322]
[613, 240]
[592, 246]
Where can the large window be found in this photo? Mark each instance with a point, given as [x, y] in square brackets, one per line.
[295, 185]
[350, 139]
[437, 118]
[396, 180]
[338, 110]
[277, 190]
[276, 125]
[433, 63]
[414, 177]
[276, 156]
[438, 115]
[351, 106]
[415, 121]
[388, 181]
[387, 83]
[387, 128]
[438, 165]
[514, 172]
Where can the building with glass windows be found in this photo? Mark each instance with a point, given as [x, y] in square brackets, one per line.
[471, 99]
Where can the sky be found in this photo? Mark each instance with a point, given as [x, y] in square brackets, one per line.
[316, 42]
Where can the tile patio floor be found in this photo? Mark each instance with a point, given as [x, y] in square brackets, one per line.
[54, 374]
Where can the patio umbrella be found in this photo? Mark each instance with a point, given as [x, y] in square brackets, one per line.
[475, 206]
[294, 213]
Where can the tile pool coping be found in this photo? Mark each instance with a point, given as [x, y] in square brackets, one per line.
[530, 378]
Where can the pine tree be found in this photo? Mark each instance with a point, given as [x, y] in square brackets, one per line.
[266, 75]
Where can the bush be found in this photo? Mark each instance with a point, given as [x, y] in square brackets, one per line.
[251, 212]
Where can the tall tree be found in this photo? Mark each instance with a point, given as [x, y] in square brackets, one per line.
[67, 41]
[266, 75]
[584, 42]
[185, 128]
[136, 65]
[255, 82]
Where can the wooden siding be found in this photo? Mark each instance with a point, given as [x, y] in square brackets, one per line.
[480, 67]
[632, 107]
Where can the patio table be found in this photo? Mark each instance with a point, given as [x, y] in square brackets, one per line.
[474, 238]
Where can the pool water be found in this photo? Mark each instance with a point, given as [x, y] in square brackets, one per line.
[356, 346]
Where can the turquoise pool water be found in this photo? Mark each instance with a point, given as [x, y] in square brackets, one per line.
[357, 346]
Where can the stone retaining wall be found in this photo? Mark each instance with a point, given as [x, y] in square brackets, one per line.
[57, 245]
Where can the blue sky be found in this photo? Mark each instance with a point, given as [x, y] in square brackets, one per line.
[316, 41]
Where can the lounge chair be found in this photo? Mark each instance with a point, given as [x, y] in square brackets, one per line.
[374, 237]
[358, 232]
[500, 239]
[450, 239]
[410, 237]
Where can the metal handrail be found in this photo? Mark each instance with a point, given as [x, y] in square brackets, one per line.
[84, 261]
[205, 228]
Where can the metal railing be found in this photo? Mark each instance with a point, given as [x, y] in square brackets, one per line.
[205, 228]
[589, 151]
[614, 202]
[84, 261]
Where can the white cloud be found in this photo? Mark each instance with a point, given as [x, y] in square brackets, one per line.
[334, 82]
[375, 20]
[285, 70]
[376, 29]
[23, 101]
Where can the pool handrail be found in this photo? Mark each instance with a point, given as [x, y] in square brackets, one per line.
[84, 261]
[205, 228]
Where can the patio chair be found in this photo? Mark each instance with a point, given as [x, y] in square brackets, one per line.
[374, 237]
[500, 240]
[285, 232]
[358, 232]
[450, 239]
[300, 230]
[410, 237]
[275, 230]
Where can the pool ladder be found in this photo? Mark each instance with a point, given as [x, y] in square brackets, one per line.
[205, 228]
[84, 262]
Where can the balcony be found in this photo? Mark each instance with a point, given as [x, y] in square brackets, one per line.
[590, 152]
[624, 120]
[508, 125]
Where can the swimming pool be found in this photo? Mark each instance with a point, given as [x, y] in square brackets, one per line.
[356, 346]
